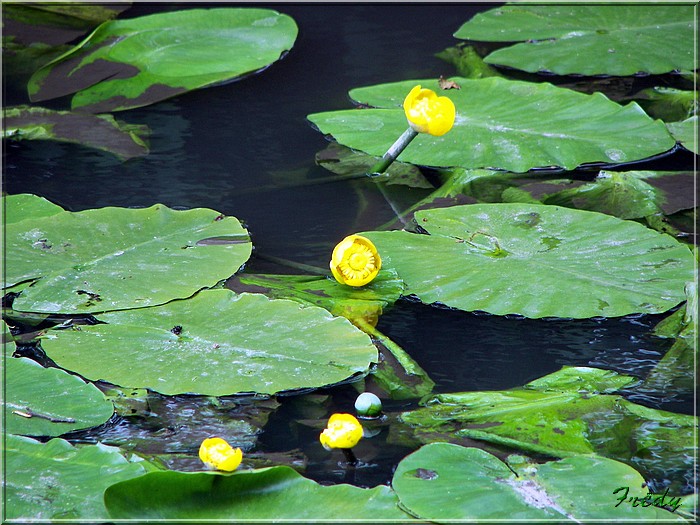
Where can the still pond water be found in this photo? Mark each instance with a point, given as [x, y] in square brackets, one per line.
[226, 148]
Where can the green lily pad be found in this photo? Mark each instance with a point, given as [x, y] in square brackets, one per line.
[470, 484]
[130, 63]
[25, 205]
[631, 194]
[115, 258]
[595, 39]
[216, 343]
[94, 131]
[567, 413]
[504, 124]
[668, 104]
[684, 132]
[50, 402]
[586, 264]
[57, 481]
[263, 494]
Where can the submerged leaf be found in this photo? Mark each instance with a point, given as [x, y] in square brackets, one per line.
[93, 131]
[130, 63]
[621, 39]
[503, 124]
[216, 343]
[537, 261]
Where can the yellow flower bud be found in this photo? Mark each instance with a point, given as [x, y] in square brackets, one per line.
[355, 261]
[428, 113]
[342, 431]
[217, 454]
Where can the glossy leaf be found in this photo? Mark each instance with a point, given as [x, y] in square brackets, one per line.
[25, 205]
[594, 39]
[114, 258]
[503, 124]
[537, 261]
[262, 494]
[685, 132]
[130, 63]
[57, 481]
[94, 131]
[50, 402]
[216, 343]
[442, 482]
[567, 413]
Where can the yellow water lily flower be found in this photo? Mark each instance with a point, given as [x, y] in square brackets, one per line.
[217, 454]
[342, 431]
[428, 113]
[355, 261]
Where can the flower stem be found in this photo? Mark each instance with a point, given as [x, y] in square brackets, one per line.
[394, 151]
[349, 456]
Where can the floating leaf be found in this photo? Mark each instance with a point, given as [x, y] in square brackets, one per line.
[93, 131]
[115, 258]
[49, 402]
[588, 39]
[216, 343]
[263, 494]
[567, 413]
[504, 124]
[56, 481]
[130, 63]
[442, 483]
[668, 104]
[685, 133]
[467, 62]
[537, 261]
[26, 206]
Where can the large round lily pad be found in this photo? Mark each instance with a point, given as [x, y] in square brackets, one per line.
[216, 343]
[130, 63]
[265, 494]
[57, 481]
[442, 482]
[504, 124]
[114, 258]
[49, 402]
[537, 261]
[619, 39]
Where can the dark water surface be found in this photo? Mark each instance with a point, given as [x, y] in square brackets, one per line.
[222, 147]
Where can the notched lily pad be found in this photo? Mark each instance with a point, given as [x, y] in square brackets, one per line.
[114, 258]
[566, 39]
[48, 401]
[216, 343]
[130, 63]
[483, 257]
[504, 124]
[102, 132]
[471, 484]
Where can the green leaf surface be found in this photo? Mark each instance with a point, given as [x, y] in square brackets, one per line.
[130, 63]
[442, 482]
[94, 131]
[668, 104]
[223, 344]
[50, 402]
[264, 494]
[57, 481]
[567, 413]
[621, 39]
[26, 205]
[501, 123]
[115, 258]
[685, 132]
[537, 261]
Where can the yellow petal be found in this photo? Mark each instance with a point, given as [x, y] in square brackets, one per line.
[342, 431]
[355, 261]
[217, 454]
[428, 113]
